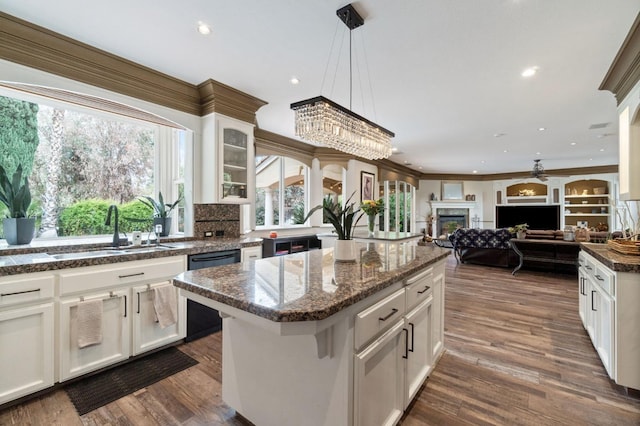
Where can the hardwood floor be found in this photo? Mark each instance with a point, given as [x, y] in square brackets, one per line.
[516, 354]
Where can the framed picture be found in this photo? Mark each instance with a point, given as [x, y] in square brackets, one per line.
[366, 185]
[452, 191]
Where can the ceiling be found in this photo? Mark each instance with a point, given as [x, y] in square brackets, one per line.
[444, 75]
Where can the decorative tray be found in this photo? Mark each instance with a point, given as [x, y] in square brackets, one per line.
[625, 246]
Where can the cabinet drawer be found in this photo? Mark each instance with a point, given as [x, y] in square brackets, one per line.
[379, 317]
[419, 287]
[95, 277]
[23, 289]
[604, 278]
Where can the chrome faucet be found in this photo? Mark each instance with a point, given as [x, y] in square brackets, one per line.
[116, 231]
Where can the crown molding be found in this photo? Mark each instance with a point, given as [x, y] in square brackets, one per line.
[624, 72]
[36, 47]
[523, 175]
[223, 99]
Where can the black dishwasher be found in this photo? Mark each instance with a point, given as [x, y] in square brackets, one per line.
[202, 320]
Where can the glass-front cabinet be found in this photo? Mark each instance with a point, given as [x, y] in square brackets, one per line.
[233, 180]
[234, 164]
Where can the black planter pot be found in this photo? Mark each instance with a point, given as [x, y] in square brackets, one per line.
[18, 230]
[166, 225]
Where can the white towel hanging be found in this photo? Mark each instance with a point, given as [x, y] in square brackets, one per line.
[89, 320]
[165, 305]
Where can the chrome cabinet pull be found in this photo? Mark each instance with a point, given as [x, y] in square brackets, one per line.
[589, 267]
[393, 311]
[592, 302]
[138, 293]
[599, 277]
[406, 344]
[125, 305]
[426, 287]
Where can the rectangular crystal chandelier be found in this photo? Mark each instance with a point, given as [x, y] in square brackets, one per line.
[323, 122]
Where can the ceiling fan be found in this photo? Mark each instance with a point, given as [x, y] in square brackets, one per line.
[538, 171]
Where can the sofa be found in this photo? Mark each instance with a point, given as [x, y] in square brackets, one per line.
[491, 247]
[484, 246]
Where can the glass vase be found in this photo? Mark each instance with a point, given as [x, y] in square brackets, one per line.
[372, 223]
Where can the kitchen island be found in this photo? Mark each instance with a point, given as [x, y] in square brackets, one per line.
[311, 341]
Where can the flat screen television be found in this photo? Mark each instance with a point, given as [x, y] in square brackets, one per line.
[537, 217]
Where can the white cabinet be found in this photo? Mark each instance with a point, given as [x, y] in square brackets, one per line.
[250, 253]
[147, 333]
[610, 314]
[379, 379]
[128, 320]
[419, 348]
[75, 361]
[629, 146]
[407, 328]
[26, 334]
[437, 316]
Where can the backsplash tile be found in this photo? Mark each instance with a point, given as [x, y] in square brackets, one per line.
[221, 220]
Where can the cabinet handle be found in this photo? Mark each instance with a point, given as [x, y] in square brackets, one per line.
[412, 334]
[393, 311]
[582, 280]
[406, 344]
[599, 278]
[589, 267]
[592, 303]
[138, 293]
[125, 305]
[426, 287]
[19, 292]
[131, 275]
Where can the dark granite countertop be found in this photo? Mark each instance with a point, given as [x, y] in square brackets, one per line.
[612, 259]
[37, 257]
[309, 286]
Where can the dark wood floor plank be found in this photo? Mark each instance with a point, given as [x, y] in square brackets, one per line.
[516, 354]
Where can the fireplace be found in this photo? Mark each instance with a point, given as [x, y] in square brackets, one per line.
[445, 216]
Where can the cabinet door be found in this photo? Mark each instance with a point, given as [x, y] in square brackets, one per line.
[115, 334]
[418, 362]
[251, 253]
[26, 351]
[604, 333]
[591, 311]
[379, 379]
[583, 303]
[437, 317]
[237, 168]
[147, 333]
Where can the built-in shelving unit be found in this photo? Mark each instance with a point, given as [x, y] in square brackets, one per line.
[587, 201]
[526, 193]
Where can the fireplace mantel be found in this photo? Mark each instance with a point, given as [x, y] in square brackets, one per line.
[453, 204]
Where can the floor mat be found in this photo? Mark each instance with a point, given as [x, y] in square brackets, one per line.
[98, 390]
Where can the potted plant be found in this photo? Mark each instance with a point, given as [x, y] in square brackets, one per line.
[161, 212]
[342, 219]
[520, 230]
[16, 195]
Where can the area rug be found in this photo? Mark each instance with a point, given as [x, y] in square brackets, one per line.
[100, 389]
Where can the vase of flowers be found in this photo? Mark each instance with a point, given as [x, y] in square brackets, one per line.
[372, 209]
[15, 194]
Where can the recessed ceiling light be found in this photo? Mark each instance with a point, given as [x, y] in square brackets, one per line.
[529, 72]
[505, 150]
[482, 161]
[203, 28]
[294, 80]
[538, 153]
[420, 167]
[475, 171]
[542, 129]
[573, 143]
[498, 135]
[590, 159]
[601, 149]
